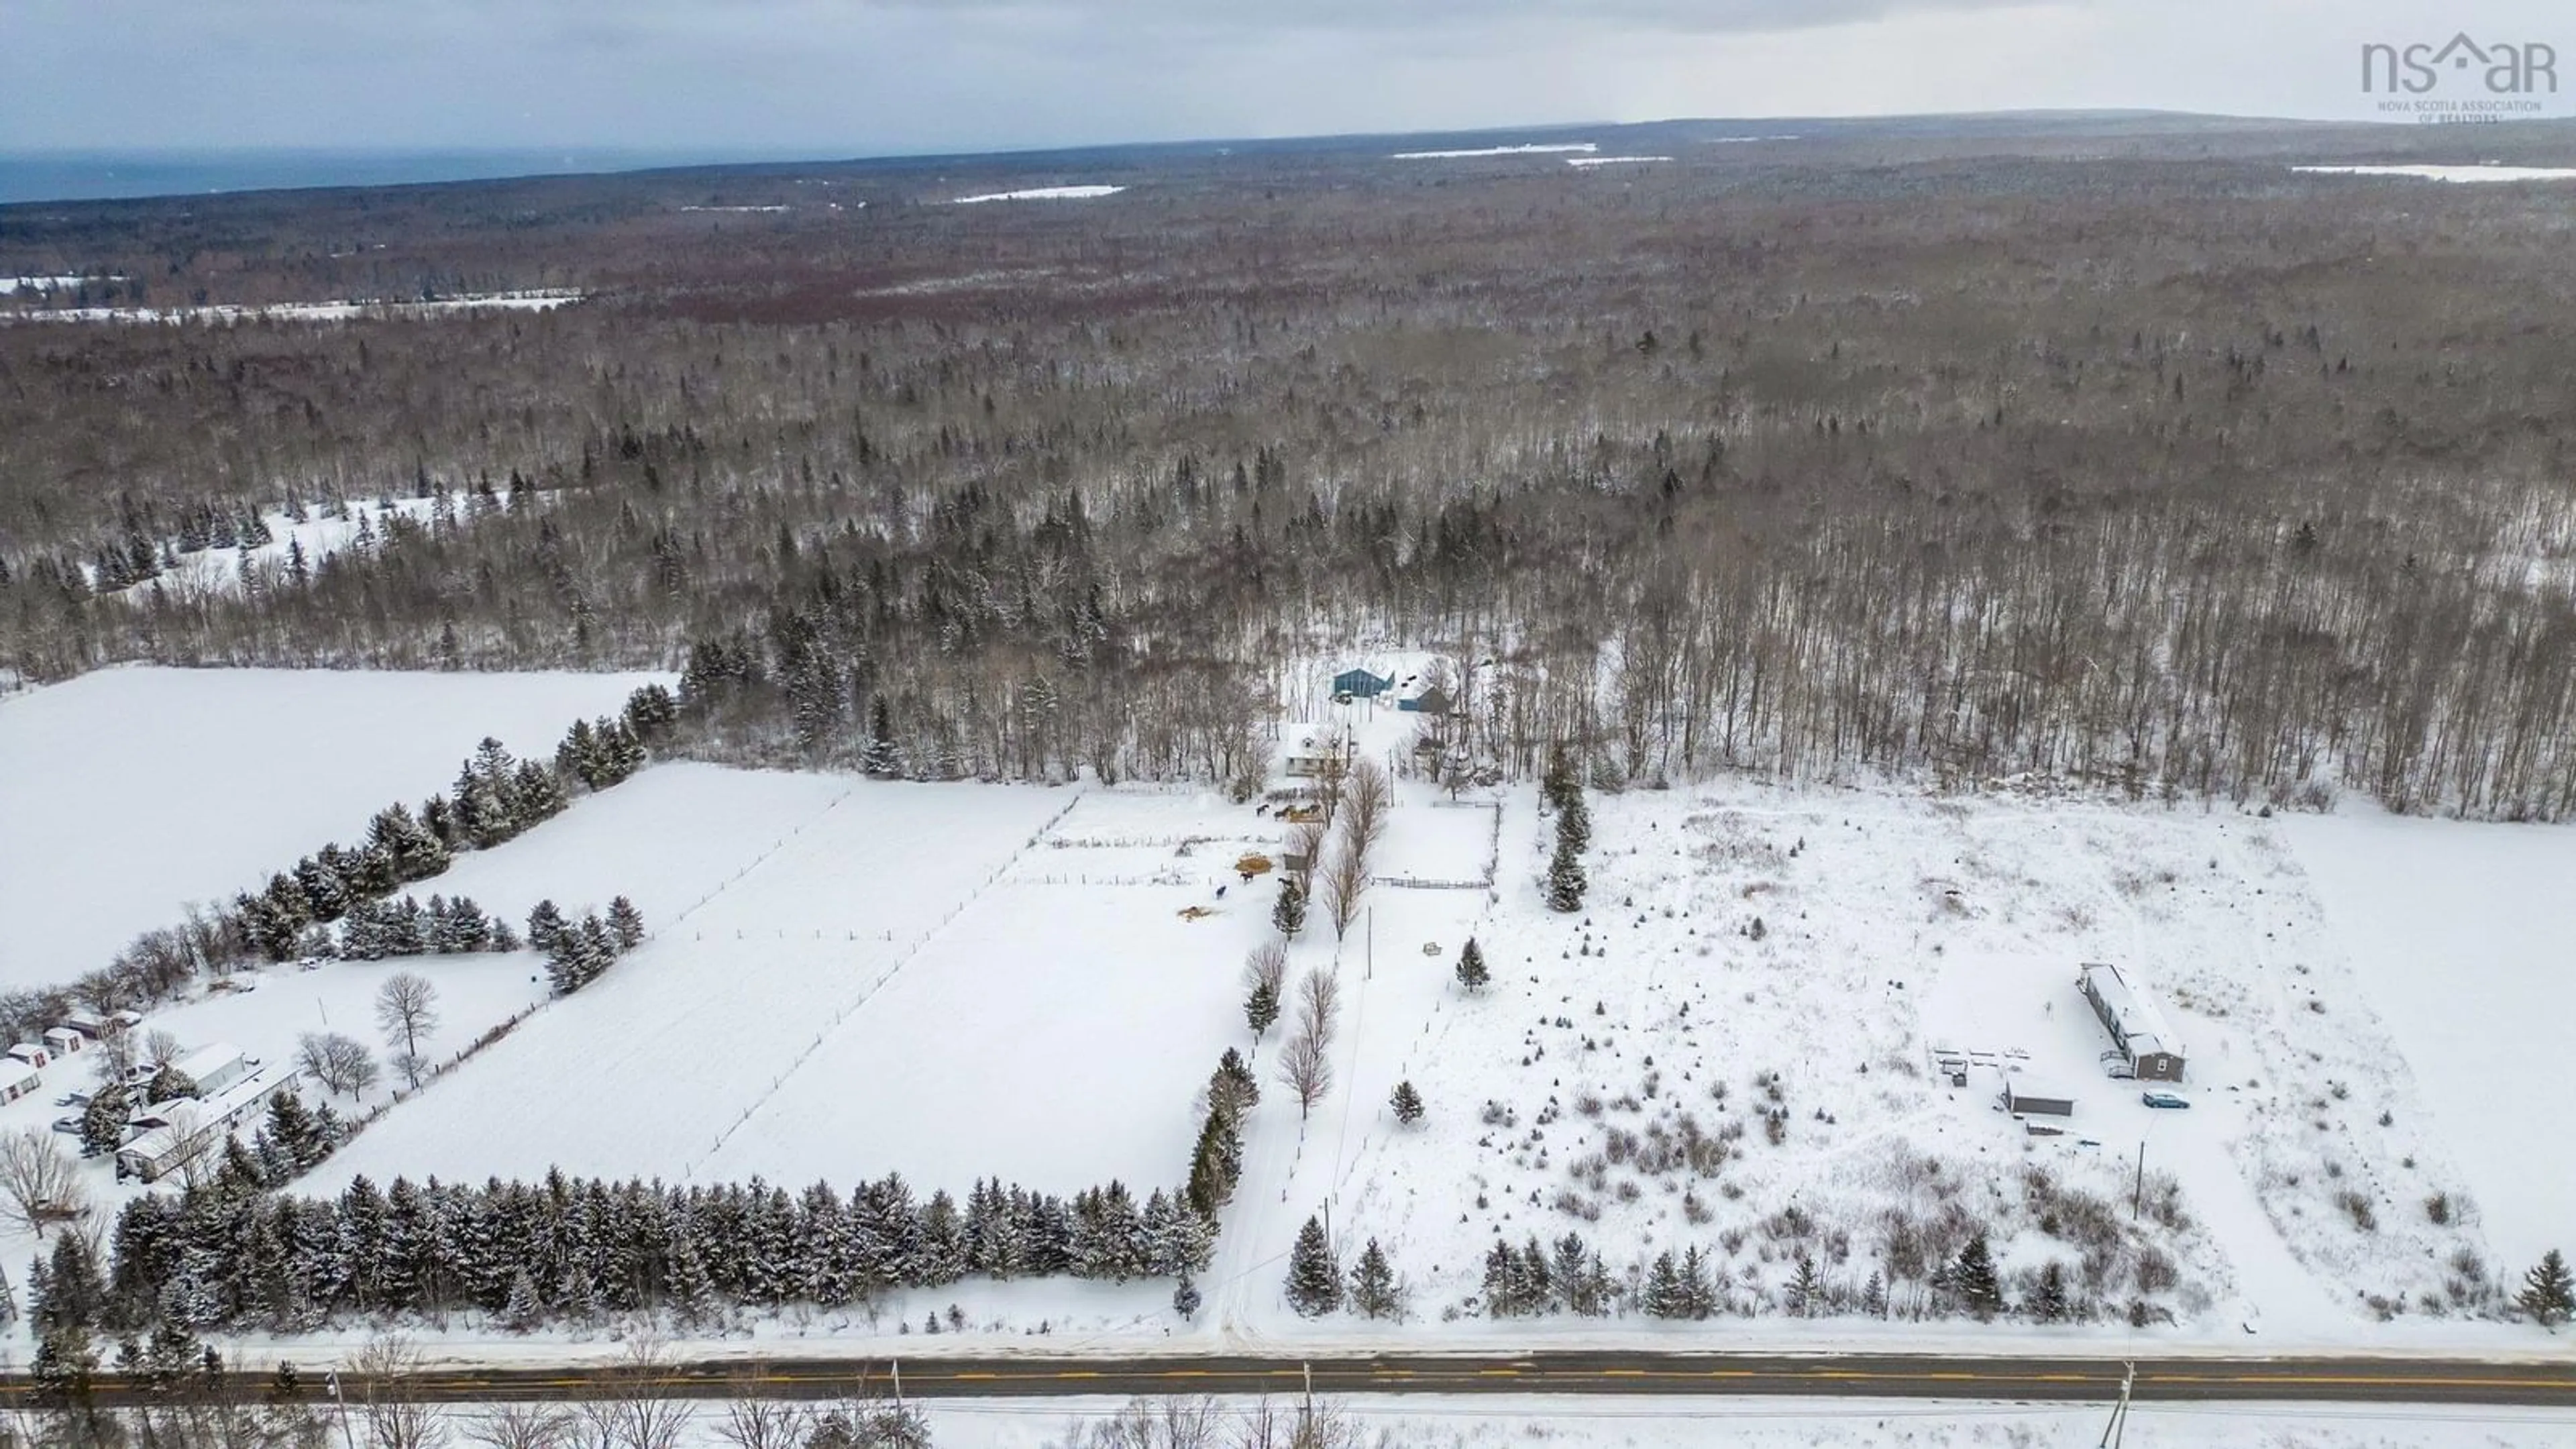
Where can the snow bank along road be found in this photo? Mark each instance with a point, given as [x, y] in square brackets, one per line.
[2549, 1383]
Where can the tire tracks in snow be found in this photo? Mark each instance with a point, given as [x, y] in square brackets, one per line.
[868, 992]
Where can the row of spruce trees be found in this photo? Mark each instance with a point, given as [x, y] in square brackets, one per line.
[229, 1254]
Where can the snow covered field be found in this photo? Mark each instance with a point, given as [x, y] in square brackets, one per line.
[1552, 149]
[130, 793]
[2464, 936]
[2448, 173]
[348, 311]
[1612, 160]
[1042, 193]
[851, 977]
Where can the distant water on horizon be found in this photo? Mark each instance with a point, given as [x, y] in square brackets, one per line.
[108, 175]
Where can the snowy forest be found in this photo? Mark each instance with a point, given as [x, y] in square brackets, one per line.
[2155, 469]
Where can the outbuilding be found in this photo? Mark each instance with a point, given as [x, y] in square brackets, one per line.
[17, 1079]
[62, 1041]
[2025, 1096]
[1362, 683]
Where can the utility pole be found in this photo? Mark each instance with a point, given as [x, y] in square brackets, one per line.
[896, 1365]
[2114, 1431]
[332, 1380]
[1306, 1411]
[1368, 968]
[2138, 1185]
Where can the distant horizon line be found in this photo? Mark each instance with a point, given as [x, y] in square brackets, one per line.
[89, 172]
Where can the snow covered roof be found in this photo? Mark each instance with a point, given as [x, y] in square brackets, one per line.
[14, 1073]
[2142, 1025]
[207, 1061]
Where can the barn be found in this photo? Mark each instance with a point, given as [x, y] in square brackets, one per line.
[2136, 1022]
[1361, 683]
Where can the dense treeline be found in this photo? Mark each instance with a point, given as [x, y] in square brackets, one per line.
[229, 1254]
[2159, 476]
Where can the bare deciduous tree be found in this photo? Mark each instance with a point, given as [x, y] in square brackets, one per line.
[114, 1056]
[636, 1408]
[40, 1181]
[1267, 965]
[378, 1377]
[1365, 799]
[160, 1048]
[1170, 1423]
[337, 1062]
[523, 1426]
[1306, 1071]
[753, 1421]
[1305, 848]
[1319, 1005]
[406, 1011]
[1345, 880]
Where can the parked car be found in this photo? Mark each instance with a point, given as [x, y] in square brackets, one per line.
[68, 1125]
[2163, 1099]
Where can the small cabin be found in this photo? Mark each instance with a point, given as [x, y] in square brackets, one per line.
[62, 1041]
[88, 1023]
[30, 1053]
[17, 1079]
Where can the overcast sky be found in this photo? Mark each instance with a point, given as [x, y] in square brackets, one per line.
[856, 77]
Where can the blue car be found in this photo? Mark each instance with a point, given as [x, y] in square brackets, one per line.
[2162, 1099]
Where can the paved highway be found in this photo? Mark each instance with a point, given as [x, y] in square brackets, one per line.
[1910, 1376]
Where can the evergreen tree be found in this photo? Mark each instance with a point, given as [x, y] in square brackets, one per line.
[879, 759]
[2548, 1293]
[1232, 1090]
[1574, 823]
[1664, 1297]
[1185, 1297]
[1289, 913]
[692, 1292]
[1806, 1289]
[1972, 1277]
[1472, 973]
[64, 1372]
[1373, 1291]
[2048, 1300]
[1261, 1008]
[625, 925]
[1699, 1295]
[1566, 881]
[545, 926]
[1314, 1279]
[1407, 1103]
[598, 949]
[1873, 1297]
[1215, 1166]
[102, 1123]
